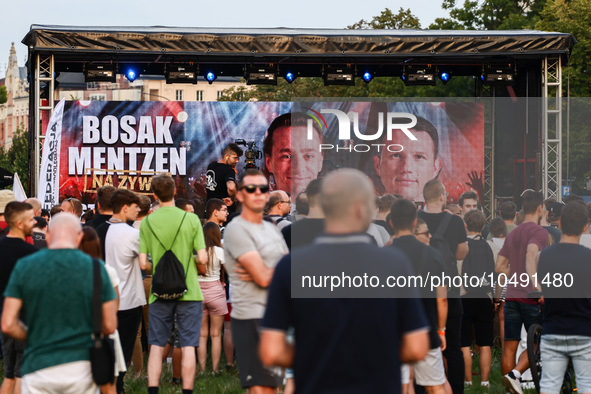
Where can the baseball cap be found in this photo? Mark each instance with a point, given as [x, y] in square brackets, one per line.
[556, 208]
[6, 196]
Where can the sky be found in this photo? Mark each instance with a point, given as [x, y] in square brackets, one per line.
[18, 16]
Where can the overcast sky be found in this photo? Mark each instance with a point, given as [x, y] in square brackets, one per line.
[19, 15]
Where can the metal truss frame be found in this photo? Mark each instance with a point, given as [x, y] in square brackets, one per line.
[43, 84]
[489, 154]
[552, 128]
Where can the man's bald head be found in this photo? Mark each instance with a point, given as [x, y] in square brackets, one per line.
[36, 204]
[347, 197]
[278, 203]
[65, 231]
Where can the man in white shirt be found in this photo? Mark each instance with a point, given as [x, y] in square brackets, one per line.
[122, 245]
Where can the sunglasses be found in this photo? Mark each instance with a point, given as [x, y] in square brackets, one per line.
[252, 188]
[425, 233]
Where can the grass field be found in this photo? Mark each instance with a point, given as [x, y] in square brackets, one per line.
[228, 382]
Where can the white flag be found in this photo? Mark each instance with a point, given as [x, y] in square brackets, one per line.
[48, 191]
[17, 188]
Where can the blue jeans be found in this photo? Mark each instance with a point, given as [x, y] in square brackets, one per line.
[556, 350]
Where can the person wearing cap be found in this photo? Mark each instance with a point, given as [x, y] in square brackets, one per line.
[551, 217]
[554, 213]
[6, 196]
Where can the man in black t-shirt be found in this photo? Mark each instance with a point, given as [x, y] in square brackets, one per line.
[304, 231]
[455, 235]
[426, 261]
[221, 176]
[567, 321]
[103, 206]
[20, 218]
[344, 345]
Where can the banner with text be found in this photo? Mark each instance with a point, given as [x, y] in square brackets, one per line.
[50, 174]
[125, 143]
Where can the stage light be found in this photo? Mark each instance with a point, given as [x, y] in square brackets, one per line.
[289, 77]
[338, 76]
[261, 75]
[131, 74]
[413, 75]
[498, 74]
[367, 77]
[181, 73]
[445, 77]
[210, 76]
[99, 73]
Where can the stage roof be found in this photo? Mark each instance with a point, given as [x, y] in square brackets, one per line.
[304, 48]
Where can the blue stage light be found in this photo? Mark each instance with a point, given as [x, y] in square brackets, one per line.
[445, 77]
[131, 75]
[210, 76]
[289, 77]
[482, 77]
[367, 77]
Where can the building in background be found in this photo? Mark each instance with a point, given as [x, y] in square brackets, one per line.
[146, 88]
[14, 114]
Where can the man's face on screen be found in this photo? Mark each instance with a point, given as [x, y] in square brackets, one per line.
[295, 160]
[405, 173]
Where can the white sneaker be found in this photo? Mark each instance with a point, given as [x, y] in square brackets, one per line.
[528, 385]
[512, 384]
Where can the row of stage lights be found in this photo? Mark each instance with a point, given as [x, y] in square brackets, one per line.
[267, 75]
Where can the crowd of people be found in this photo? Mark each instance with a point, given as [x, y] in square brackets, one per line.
[235, 260]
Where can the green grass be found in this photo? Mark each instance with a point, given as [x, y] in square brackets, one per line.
[496, 387]
[227, 382]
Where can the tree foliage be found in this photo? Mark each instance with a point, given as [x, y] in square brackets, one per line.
[574, 17]
[3, 94]
[16, 159]
[388, 20]
[490, 14]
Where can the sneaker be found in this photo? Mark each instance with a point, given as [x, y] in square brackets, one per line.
[528, 385]
[512, 384]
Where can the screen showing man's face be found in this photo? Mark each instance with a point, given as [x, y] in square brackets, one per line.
[295, 161]
[405, 173]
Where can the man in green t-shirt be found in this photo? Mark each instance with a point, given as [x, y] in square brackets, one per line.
[54, 288]
[172, 228]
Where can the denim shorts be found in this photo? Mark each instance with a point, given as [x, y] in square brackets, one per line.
[556, 350]
[516, 314]
[161, 316]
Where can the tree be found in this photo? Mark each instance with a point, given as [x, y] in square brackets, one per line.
[490, 15]
[388, 20]
[574, 17]
[16, 159]
[3, 94]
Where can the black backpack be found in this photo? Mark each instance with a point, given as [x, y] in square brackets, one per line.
[449, 258]
[479, 263]
[169, 278]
